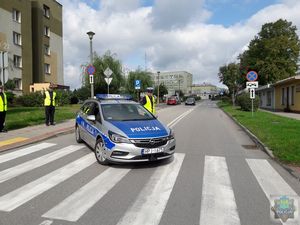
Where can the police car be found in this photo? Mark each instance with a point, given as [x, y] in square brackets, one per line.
[121, 130]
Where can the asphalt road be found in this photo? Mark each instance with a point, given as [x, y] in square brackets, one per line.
[216, 177]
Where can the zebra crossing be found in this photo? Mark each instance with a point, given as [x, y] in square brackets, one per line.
[218, 201]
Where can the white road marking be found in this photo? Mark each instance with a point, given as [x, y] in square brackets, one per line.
[46, 222]
[218, 203]
[269, 180]
[73, 207]
[152, 200]
[29, 191]
[25, 151]
[35, 163]
[177, 119]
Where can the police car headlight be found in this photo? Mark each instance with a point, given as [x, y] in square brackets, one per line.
[171, 135]
[117, 138]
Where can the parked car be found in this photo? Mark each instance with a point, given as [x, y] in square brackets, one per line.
[173, 100]
[190, 101]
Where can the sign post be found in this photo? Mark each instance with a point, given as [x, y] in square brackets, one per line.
[90, 69]
[108, 79]
[252, 84]
[137, 86]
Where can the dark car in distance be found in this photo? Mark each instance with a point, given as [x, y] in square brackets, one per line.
[190, 101]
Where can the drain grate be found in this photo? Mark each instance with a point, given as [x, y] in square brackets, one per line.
[250, 147]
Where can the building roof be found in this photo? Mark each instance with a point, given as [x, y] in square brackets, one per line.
[297, 77]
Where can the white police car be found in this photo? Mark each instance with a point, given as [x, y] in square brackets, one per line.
[121, 130]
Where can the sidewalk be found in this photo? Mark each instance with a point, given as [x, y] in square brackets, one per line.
[17, 138]
[285, 114]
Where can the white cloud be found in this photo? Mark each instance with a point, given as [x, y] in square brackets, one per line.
[182, 42]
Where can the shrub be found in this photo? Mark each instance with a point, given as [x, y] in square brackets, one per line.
[31, 99]
[245, 102]
[10, 97]
[74, 100]
[63, 97]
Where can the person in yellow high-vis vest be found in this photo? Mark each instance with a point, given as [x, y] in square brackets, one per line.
[148, 101]
[49, 103]
[3, 109]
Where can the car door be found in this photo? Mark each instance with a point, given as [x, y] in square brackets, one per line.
[83, 121]
[92, 126]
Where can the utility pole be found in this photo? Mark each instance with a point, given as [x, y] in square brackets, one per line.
[158, 72]
[91, 34]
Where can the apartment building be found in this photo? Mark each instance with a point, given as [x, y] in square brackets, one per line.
[31, 34]
[174, 81]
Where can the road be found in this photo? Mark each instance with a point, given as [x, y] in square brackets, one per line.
[217, 176]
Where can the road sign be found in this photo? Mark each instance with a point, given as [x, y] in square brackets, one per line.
[252, 84]
[137, 84]
[108, 80]
[108, 72]
[90, 69]
[91, 79]
[252, 76]
[252, 93]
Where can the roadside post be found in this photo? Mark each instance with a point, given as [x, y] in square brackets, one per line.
[137, 86]
[252, 84]
[108, 79]
[90, 69]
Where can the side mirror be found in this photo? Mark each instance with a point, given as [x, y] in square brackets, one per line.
[91, 118]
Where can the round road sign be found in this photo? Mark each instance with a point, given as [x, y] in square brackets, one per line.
[252, 76]
[90, 69]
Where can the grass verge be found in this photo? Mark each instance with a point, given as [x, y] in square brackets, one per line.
[280, 134]
[19, 117]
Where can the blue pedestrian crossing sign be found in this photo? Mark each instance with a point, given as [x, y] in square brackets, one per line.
[252, 76]
[137, 84]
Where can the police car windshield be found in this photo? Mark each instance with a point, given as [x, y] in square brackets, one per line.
[125, 112]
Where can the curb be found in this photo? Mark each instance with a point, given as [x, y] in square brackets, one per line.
[59, 132]
[263, 147]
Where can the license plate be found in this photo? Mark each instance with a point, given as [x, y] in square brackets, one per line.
[152, 150]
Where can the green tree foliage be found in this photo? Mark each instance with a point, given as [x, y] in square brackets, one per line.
[162, 90]
[273, 53]
[9, 85]
[82, 93]
[100, 64]
[144, 77]
[230, 76]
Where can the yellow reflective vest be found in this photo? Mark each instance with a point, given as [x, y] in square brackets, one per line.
[149, 106]
[47, 101]
[3, 103]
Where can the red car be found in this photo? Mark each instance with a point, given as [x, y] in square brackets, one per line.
[172, 101]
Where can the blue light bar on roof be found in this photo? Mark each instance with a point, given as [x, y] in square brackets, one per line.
[113, 97]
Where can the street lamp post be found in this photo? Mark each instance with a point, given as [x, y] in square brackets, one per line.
[158, 72]
[91, 34]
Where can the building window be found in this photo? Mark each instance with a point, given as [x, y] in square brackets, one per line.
[17, 38]
[282, 96]
[292, 95]
[18, 84]
[46, 10]
[47, 68]
[17, 61]
[47, 31]
[47, 49]
[16, 15]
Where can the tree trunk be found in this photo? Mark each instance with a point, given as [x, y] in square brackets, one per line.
[233, 98]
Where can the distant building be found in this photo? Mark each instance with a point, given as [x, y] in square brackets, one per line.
[175, 81]
[205, 90]
[31, 34]
[44, 86]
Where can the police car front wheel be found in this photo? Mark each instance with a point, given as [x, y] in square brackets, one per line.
[77, 135]
[100, 152]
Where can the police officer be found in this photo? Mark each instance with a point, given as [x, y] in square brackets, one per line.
[148, 101]
[49, 103]
[3, 108]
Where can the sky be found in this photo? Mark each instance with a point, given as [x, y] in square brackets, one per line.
[197, 36]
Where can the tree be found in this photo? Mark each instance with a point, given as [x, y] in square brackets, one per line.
[10, 85]
[143, 76]
[101, 63]
[230, 76]
[162, 90]
[273, 53]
